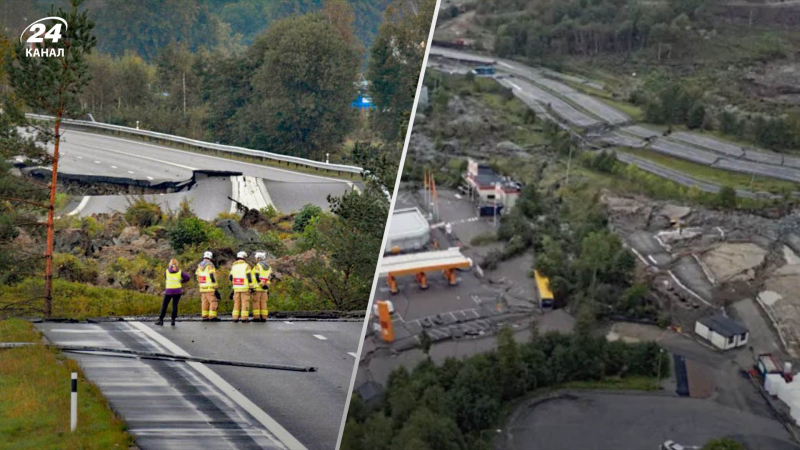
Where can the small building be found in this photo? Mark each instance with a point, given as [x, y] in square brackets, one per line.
[408, 231]
[488, 188]
[723, 332]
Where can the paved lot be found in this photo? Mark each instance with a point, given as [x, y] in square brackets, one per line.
[191, 405]
[599, 421]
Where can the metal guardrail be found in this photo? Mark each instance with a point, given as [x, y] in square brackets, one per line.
[207, 145]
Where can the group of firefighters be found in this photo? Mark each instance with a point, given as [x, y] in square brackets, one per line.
[250, 285]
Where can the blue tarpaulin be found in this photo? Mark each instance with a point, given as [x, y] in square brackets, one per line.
[362, 102]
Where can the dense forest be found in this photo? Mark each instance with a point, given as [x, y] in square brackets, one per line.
[456, 405]
[703, 64]
[144, 27]
[285, 85]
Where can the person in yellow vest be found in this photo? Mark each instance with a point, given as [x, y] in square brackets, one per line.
[207, 281]
[173, 290]
[241, 279]
[262, 274]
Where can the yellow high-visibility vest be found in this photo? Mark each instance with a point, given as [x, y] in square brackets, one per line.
[173, 280]
[263, 274]
[239, 272]
[204, 278]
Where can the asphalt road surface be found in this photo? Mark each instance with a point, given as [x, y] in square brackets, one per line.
[107, 156]
[169, 405]
[539, 88]
[619, 421]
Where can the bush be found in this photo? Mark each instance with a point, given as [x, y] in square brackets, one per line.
[91, 226]
[304, 216]
[269, 212]
[71, 268]
[188, 232]
[143, 213]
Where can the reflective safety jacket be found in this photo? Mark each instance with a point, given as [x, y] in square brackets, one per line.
[206, 278]
[240, 276]
[261, 275]
[173, 279]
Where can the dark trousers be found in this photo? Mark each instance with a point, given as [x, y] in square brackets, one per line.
[167, 298]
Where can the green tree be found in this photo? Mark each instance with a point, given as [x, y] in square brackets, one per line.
[21, 199]
[300, 90]
[52, 85]
[726, 198]
[727, 122]
[696, 116]
[395, 62]
[510, 368]
[304, 217]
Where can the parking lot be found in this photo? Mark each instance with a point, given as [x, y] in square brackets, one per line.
[635, 421]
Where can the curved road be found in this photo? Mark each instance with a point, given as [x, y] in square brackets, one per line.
[97, 155]
[543, 90]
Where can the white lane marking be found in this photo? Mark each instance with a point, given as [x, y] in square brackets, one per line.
[113, 167]
[286, 321]
[130, 172]
[260, 166]
[650, 257]
[269, 423]
[149, 178]
[695, 294]
[352, 354]
[141, 157]
[80, 157]
[320, 337]
[83, 203]
[97, 162]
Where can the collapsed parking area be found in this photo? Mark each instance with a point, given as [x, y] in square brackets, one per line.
[621, 421]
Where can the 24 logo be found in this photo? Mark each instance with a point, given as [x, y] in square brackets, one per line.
[40, 33]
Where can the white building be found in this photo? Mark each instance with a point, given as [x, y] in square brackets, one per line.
[408, 231]
[490, 188]
[723, 332]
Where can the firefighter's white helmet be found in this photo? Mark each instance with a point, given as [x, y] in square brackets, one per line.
[208, 255]
[241, 255]
[261, 255]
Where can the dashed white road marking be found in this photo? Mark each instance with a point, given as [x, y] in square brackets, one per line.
[113, 167]
[149, 178]
[80, 157]
[97, 162]
[287, 322]
[352, 354]
[269, 423]
[320, 337]
[131, 172]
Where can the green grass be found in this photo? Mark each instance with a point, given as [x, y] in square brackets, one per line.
[718, 176]
[76, 300]
[35, 383]
[80, 301]
[626, 383]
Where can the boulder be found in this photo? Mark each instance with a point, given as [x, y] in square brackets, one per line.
[237, 232]
[128, 235]
[72, 240]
